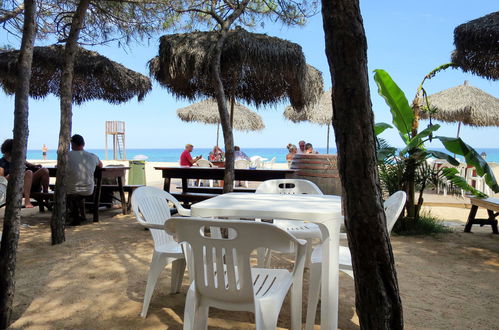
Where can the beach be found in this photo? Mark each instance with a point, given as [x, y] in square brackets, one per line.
[97, 278]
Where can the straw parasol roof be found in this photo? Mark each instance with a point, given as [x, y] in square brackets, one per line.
[95, 76]
[207, 112]
[477, 46]
[465, 104]
[256, 68]
[321, 113]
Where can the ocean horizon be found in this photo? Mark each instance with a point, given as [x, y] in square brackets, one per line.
[173, 154]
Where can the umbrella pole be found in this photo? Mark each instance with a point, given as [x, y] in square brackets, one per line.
[218, 131]
[458, 130]
[327, 150]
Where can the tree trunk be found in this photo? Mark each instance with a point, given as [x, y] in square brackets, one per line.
[59, 214]
[224, 113]
[12, 218]
[377, 295]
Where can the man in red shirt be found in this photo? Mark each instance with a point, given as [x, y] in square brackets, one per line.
[185, 157]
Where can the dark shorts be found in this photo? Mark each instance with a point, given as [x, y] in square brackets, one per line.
[44, 154]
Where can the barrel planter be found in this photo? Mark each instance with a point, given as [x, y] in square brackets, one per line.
[320, 169]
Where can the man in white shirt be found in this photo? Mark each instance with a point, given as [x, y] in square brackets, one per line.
[81, 168]
[301, 147]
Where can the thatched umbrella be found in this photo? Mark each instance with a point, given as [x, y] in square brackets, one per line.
[321, 113]
[256, 68]
[464, 104]
[95, 76]
[207, 112]
[477, 46]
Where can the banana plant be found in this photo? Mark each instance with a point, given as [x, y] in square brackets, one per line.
[414, 153]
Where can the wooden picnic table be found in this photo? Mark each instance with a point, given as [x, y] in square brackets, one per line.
[112, 172]
[213, 173]
[492, 206]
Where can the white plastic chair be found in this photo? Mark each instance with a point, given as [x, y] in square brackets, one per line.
[270, 163]
[256, 161]
[223, 277]
[393, 207]
[151, 208]
[300, 229]
[205, 163]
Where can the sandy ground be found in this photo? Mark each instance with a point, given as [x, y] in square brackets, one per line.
[97, 278]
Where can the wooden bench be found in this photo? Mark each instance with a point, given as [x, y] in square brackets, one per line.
[215, 190]
[126, 188]
[492, 206]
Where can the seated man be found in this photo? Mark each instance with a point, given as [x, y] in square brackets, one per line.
[36, 178]
[80, 181]
[238, 154]
[186, 158]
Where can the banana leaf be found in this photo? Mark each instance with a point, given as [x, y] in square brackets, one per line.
[457, 146]
[418, 139]
[452, 175]
[381, 127]
[402, 113]
[443, 155]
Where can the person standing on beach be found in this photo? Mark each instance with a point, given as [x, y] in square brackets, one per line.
[186, 158]
[36, 178]
[301, 147]
[44, 152]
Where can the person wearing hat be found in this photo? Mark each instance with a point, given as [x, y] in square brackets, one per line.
[81, 168]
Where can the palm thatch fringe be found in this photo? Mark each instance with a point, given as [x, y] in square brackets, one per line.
[466, 104]
[95, 76]
[207, 112]
[477, 46]
[321, 113]
[256, 68]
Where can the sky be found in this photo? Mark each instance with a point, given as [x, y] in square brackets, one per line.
[406, 38]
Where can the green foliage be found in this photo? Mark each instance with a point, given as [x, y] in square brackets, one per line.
[457, 146]
[402, 113]
[381, 127]
[427, 224]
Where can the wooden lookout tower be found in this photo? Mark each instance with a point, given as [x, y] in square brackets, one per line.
[117, 130]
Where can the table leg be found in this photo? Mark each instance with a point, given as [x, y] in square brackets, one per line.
[184, 185]
[166, 185]
[124, 205]
[493, 221]
[330, 275]
[98, 187]
[471, 219]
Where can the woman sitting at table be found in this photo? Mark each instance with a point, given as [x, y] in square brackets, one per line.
[36, 178]
[217, 154]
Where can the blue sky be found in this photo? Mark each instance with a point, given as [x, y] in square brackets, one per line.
[408, 39]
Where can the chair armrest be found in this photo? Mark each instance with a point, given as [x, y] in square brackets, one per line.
[183, 211]
[152, 225]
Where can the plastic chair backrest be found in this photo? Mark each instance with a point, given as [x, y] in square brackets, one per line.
[393, 207]
[241, 163]
[204, 163]
[288, 186]
[222, 269]
[150, 206]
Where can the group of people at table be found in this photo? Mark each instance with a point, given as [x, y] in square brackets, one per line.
[80, 176]
[216, 154]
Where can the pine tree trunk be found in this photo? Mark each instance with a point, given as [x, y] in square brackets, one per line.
[377, 295]
[59, 214]
[12, 218]
[224, 113]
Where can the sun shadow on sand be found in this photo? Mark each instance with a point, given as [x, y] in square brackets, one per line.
[97, 279]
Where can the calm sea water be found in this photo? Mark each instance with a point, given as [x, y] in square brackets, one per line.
[172, 155]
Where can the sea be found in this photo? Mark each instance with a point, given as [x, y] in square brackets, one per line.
[172, 155]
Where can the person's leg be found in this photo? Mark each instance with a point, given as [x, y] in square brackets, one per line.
[28, 177]
[41, 178]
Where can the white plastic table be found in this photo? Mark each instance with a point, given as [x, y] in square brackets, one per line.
[322, 209]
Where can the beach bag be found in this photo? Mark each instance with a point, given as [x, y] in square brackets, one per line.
[3, 189]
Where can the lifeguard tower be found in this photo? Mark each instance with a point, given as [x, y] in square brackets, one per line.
[117, 130]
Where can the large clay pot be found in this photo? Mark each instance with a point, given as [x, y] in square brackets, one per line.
[320, 169]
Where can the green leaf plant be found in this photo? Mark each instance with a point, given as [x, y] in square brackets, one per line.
[406, 120]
